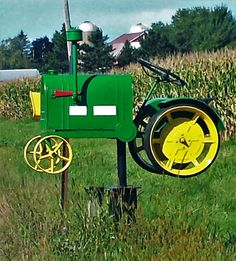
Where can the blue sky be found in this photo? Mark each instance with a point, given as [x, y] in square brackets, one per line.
[38, 18]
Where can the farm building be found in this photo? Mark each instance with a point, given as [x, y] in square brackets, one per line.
[6, 75]
[134, 36]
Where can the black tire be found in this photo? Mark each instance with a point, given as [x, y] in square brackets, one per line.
[136, 146]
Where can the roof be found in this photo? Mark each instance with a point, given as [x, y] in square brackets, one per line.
[117, 48]
[130, 37]
[120, 41]
[17, 74]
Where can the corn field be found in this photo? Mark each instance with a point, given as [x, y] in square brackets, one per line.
[208, 74]
[14, 98]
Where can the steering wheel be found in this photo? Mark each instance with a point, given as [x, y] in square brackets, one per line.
[165, 74]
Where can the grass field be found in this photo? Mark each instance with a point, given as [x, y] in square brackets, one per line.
[177, 219]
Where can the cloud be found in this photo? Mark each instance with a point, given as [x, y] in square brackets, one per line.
[149, 17]
[42, 17]
[121, 22]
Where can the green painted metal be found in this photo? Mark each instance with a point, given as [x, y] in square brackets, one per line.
[159, 103]
[104, 108]
[96, 105]
[100, 106]
[74, 34]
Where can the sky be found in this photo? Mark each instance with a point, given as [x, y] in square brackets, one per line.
[39, 18]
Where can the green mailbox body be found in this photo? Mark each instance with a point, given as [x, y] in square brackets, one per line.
[103, 109]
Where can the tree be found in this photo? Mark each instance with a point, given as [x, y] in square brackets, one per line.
[157, 41]
[3, 56]
[98, 55]
[195, 29]
[40, 47]
[127, 55]
[15, 52]
[200, 29]
[57, 58]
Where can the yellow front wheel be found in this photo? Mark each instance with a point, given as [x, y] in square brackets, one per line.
[29, 153]
[52, 154]
[182, 140]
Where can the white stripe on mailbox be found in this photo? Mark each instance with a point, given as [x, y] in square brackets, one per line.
[104, 110]
[78, 110]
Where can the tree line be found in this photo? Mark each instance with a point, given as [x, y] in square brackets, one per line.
[191, 30]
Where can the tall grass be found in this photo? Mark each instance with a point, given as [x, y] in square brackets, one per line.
[177, 219]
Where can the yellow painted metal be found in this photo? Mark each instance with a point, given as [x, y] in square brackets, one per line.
[187, 145]
[50, 156]
[29, 151]
[36, 104]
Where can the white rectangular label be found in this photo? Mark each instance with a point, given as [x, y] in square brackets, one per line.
[78, 110]
[104, 110]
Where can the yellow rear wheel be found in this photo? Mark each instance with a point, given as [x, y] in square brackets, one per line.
[52, 154]
[182, 140]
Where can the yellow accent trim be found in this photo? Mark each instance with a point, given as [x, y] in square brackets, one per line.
[36, 104]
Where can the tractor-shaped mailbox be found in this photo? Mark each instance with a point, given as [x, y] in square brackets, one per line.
[176, 136]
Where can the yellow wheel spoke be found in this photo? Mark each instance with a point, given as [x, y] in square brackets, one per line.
[193, 121]
[195, 162]
[195, 117]
[37, 152]
[36, 167]
[49, 149]
[40, 148]
[170, 163]
[58, 146]
[45, 156]
[52, 165]
[208, 140]
[37, 162]
[64, 158]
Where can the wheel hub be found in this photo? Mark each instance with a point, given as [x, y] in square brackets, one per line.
[182, 141]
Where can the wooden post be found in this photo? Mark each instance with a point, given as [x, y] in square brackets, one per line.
[64, 178]
[121, 163]
[64, 181]
[67, 26]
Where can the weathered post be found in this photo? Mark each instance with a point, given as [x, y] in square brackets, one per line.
[122, 198]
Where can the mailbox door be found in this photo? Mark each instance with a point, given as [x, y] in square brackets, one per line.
[104, 108]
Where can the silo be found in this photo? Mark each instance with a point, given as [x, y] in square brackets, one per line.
[88, 28]
[138, 28]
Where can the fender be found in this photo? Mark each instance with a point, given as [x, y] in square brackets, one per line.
[160, 103]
